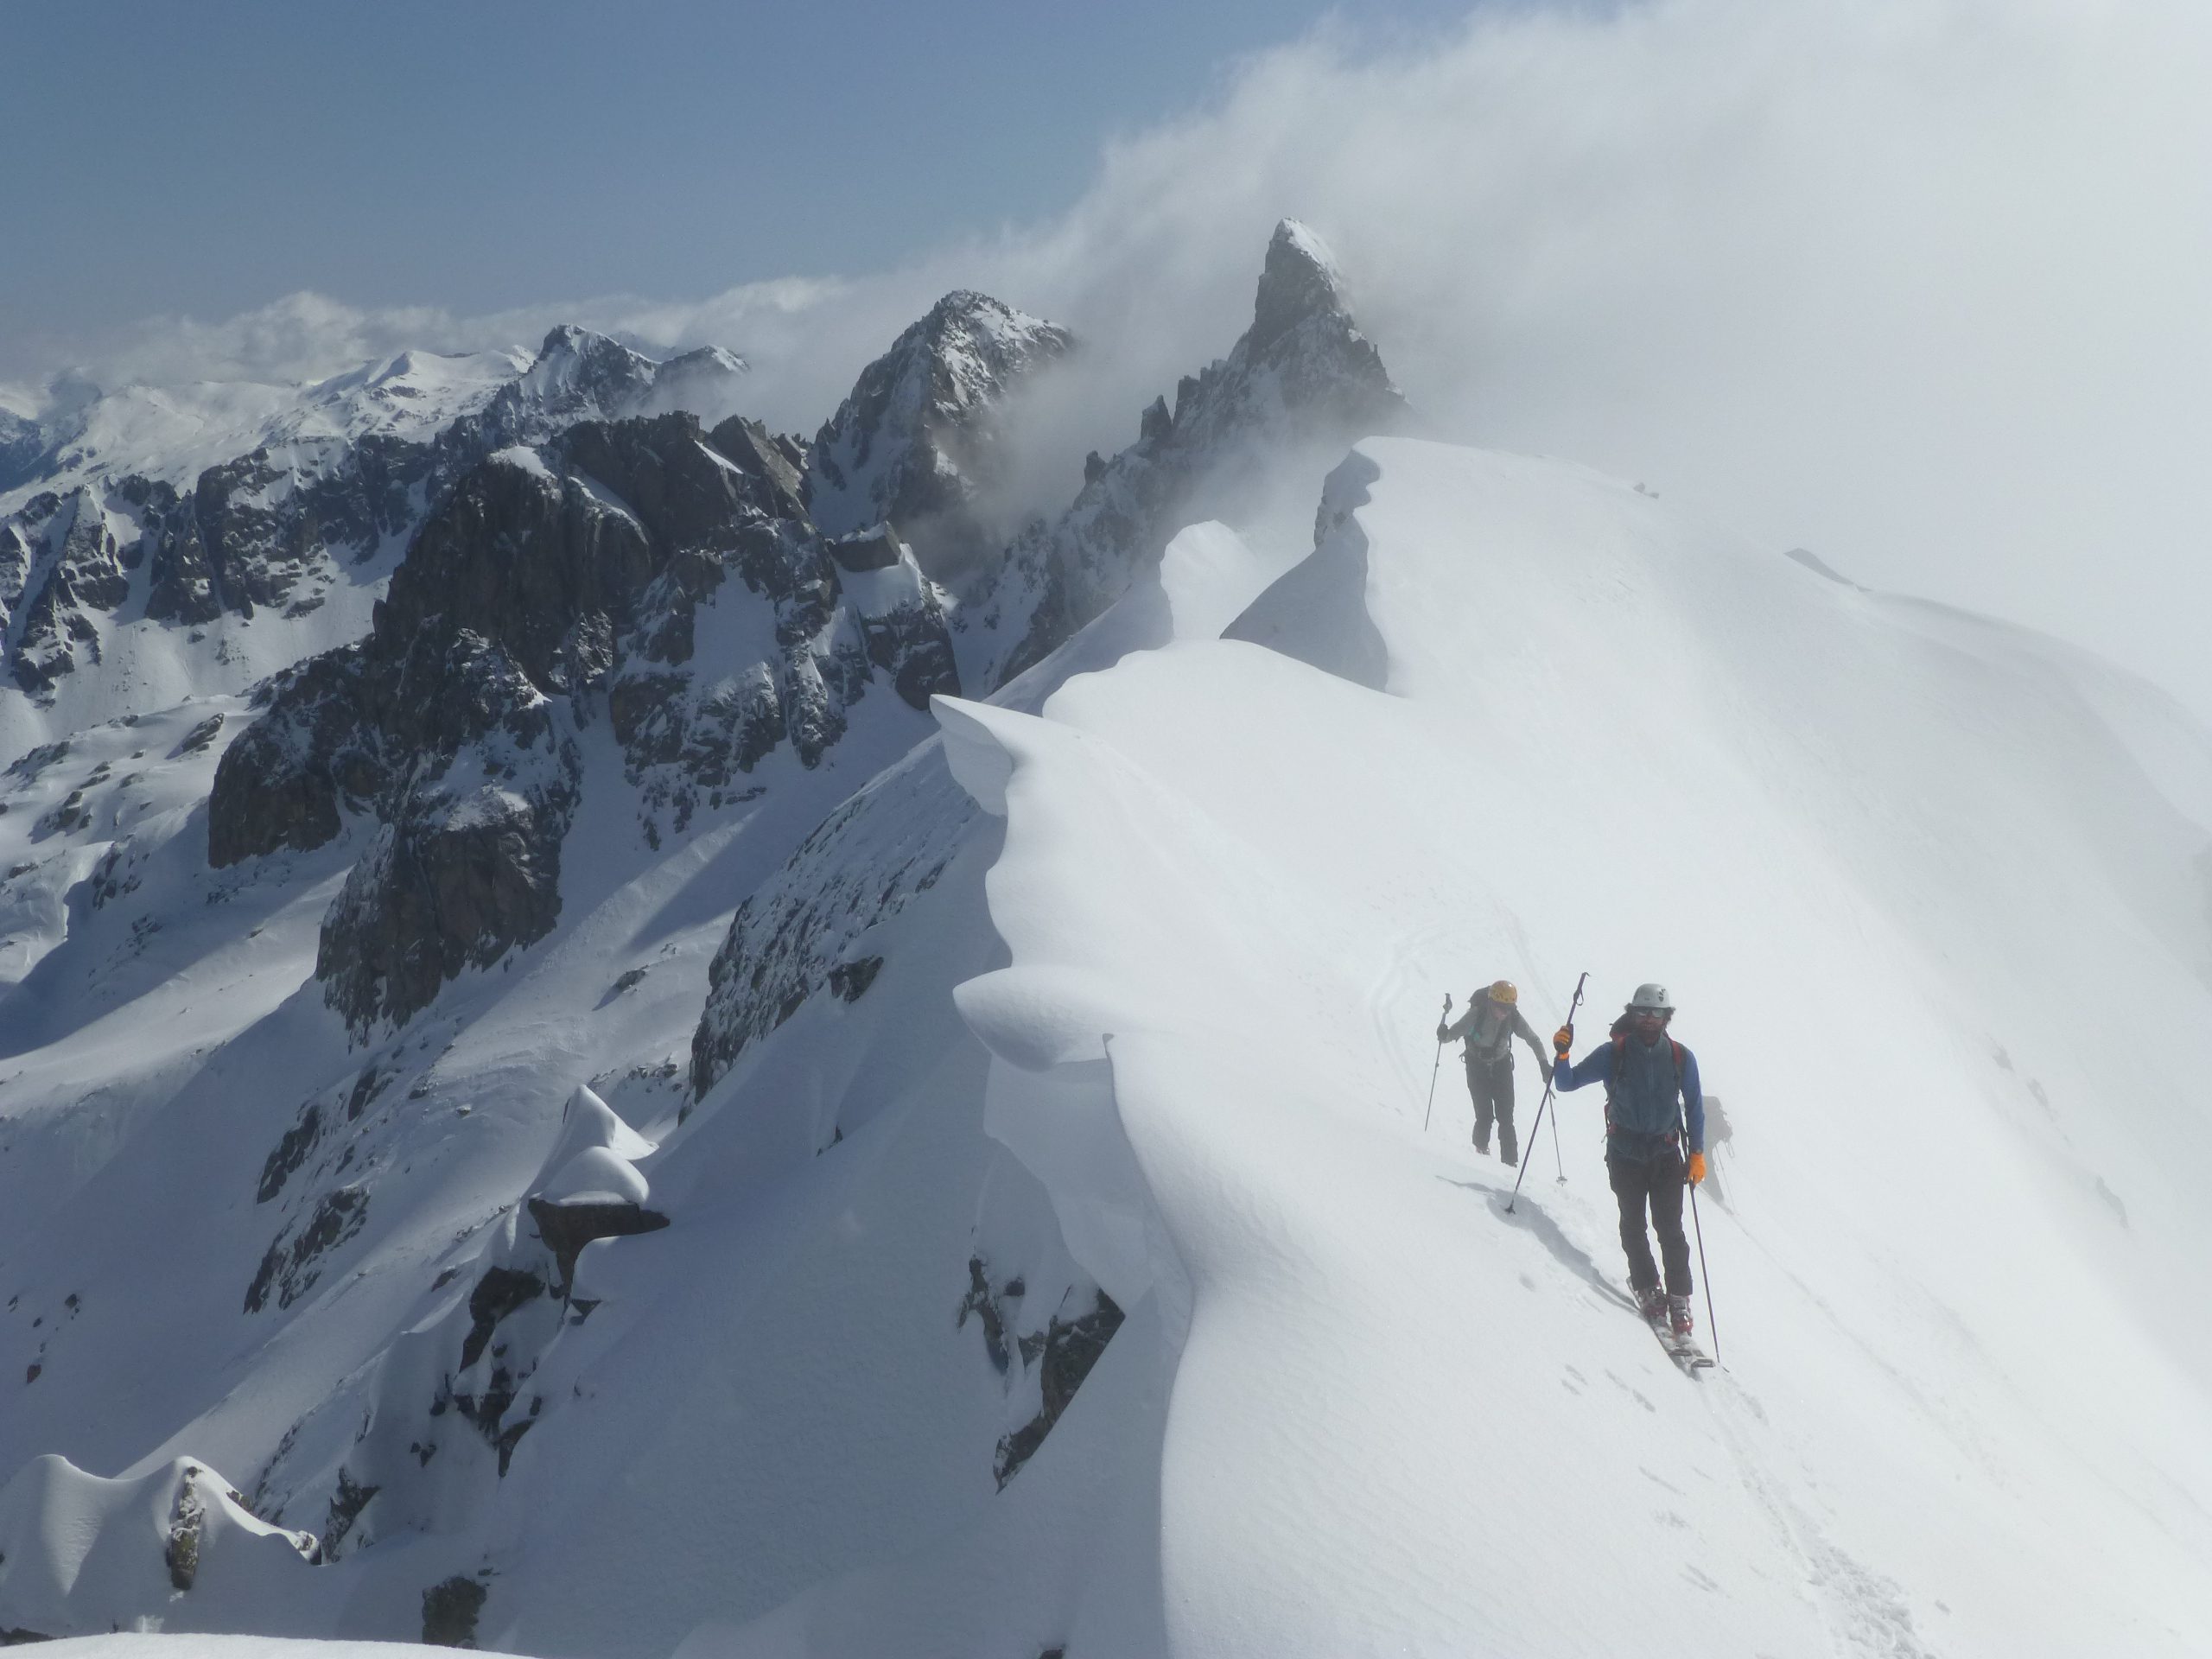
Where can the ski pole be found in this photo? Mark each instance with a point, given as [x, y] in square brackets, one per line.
[1712, 1324]
[1437, 1067]
[1556, 1157]
[1546, 1101]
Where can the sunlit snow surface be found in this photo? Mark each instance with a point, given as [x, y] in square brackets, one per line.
[1930, 894]
[1912, 899]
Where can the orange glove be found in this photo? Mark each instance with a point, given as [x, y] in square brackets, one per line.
[1562, 1039]
[1697, 1167]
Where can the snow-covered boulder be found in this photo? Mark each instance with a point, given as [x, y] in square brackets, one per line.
[173, 1550]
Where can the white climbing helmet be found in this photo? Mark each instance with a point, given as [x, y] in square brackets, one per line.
[1652, 996]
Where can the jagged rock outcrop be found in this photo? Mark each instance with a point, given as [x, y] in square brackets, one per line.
[918, 441]
[1302, 381]
[634, 569]
[345, 478]
[435, 1422]
[60, 560]
[803, 931]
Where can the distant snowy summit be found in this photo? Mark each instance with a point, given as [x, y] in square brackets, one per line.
[185, 542]
[917, 442]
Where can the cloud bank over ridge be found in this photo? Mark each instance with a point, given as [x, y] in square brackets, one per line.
[1916, 283]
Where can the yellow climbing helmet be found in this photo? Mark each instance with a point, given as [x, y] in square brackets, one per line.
[1504, 992]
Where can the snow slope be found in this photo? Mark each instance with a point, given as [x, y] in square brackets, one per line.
[1929, 892]
[1873, 851]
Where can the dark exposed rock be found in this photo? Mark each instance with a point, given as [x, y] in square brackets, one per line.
[500, 1292]
[288, 1154]
[345, 1506]
[850, 980]
[981, 1302]
[198, 738]
[281, 783]
[292, 1263]
[566, 1227]
[65, 563]
[1071, 1348]
[874, 549]
[274, 528]
[450, 1610]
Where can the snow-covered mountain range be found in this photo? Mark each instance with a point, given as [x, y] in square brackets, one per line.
[699, 1060]
[193, 541]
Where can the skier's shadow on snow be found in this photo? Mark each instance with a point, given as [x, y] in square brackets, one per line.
[1526, 1216]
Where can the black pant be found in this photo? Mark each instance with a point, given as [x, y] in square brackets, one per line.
[1659, 1183]
[1491, 1082]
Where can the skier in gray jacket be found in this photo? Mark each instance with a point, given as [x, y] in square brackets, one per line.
[1492, 1020]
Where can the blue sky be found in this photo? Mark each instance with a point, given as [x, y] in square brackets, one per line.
[165, 158]
[1917, 284]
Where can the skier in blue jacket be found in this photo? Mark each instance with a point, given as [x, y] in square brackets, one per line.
[1651, 1089]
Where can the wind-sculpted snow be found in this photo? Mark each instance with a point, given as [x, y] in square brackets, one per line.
[1613, 739]
[421, 1440]
[174, 1548]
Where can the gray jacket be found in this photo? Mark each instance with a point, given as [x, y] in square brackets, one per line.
[1490, 1028]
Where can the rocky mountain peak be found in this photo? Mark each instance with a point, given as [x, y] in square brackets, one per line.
[574, 366]
[1299, 387]
[642, 572]
[1299, 281]
[917, 442]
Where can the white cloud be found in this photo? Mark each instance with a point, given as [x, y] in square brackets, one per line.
[1918, 283]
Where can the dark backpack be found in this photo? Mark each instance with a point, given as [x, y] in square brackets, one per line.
[1620, 1034]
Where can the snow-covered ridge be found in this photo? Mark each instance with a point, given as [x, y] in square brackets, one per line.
[956, 1184]
[1239, 987]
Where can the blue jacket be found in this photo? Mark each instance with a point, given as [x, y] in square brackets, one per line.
[1643, 1118]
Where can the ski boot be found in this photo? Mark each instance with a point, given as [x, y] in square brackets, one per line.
[1678, 1316]
[1651, 1302]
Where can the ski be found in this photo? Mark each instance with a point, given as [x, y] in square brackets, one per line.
[1683, 1351]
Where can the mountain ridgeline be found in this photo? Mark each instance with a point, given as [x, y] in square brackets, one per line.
[490, 742]
[562, 582]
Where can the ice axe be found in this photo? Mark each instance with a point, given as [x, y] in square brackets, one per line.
[1437, 1067]
[1545, 1101]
